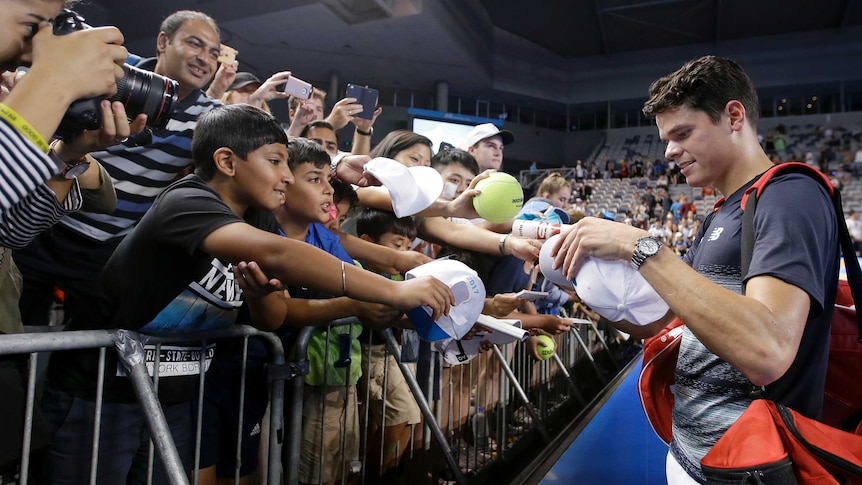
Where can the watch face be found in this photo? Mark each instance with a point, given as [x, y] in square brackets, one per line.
[649, 246]
[76, 170]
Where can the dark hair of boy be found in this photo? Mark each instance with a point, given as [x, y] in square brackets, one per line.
[455, 155]
[375, 223]
[240, 127]
[342, 191]
[706, 84]
[397, 141]
[317, 124]
[301, 150]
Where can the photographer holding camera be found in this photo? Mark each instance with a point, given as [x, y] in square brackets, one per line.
[72, 255]
[61, 70]
[41, 182]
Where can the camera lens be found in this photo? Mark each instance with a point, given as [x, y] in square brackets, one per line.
[148, 93]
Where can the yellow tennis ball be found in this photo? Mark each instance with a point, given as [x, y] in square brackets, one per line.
[501, 198]
[546, 347]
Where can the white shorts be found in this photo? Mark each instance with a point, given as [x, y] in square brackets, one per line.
[676, 475]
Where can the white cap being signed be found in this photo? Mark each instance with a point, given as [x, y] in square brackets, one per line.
[545, 265]
[469, 292]
[617, 291]
[412, 189]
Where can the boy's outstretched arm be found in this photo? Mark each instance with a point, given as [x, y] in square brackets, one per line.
[265, 298]
[391, 260]
[297, 263]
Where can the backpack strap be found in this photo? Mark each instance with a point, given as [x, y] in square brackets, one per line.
[749, 206]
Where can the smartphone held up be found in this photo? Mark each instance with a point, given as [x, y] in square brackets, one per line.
[227, 54]
[365, 96]
[298, 88]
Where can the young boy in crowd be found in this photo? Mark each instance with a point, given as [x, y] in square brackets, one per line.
[333, 352]
[177, 272]
[392, 411]
[344, 199]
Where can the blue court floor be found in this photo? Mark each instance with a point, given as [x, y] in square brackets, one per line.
[617, 446]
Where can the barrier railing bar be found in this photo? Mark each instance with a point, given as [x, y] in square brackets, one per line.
[293, 440]
[28, 420]
[589, 322]
[392, 346]
[239, 428]
[130, 351]
[97, 419]
[200, 414]
[151, 449]
[520, 391]
[589, 354]
[571, 383]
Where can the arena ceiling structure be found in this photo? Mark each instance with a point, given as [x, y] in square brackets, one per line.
[536, 52]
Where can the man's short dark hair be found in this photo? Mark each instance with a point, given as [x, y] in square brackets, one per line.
[240, 127]
[175, 21]
[455, 155]
[318, 124]
[375, 223]
[300, 150]
[706, 84]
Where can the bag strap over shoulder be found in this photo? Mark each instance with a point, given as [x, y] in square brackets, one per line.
[749, 206]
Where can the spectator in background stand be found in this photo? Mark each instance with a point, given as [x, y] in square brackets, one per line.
[658, 168]
[666, 202]
[662, 181]
[857, 162]
[649, 200]
[594, 170]
[638, 167]
[580, 171]
[585, 191]
[608, 171]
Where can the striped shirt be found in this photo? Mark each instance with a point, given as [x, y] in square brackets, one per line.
[36, 213]
[23, 166]
[140, 173]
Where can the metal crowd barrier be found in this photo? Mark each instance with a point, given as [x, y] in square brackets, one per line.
[479, 411]
[130, 350]
[473, 415]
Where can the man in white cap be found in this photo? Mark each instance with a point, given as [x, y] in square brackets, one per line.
[485, 142]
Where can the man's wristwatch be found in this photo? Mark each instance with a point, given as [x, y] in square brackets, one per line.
[645, 247]
[69, 170]
[75, 169]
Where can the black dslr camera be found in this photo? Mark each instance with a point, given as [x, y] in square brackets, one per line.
[140, 91]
